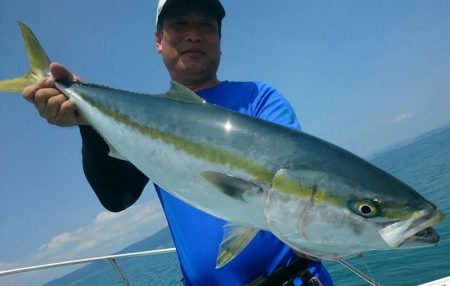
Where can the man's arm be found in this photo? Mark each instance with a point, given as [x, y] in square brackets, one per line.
[117, 184]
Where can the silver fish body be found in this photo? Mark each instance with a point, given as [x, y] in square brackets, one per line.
[316, 197]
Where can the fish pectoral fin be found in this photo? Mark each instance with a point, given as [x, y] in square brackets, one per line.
[181, 93]
[234, 187]
[235, 239]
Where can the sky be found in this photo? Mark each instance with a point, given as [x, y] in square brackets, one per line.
[364, 75]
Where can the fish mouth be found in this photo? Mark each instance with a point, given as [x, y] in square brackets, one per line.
[413, 232]
[425, 237]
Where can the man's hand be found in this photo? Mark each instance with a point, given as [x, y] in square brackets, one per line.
[50, 102]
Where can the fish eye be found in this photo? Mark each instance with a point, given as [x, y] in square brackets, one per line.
[367, 208]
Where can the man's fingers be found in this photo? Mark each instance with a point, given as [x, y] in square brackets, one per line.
[53, 106]
[41, 98]
[70, 108]
[29, 92]
[67, 115]
[48, 82]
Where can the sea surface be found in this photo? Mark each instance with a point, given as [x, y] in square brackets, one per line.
[423, 163]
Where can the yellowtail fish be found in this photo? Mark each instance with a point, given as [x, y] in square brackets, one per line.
[319, 199]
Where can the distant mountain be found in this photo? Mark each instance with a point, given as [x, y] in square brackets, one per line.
[161, 239]
[406, 142]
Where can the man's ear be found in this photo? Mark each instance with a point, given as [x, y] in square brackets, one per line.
[158, 40]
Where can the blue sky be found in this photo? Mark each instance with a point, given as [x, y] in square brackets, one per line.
[361, 74]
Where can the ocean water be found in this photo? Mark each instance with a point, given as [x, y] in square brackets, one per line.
[159, 270]
[423, 163]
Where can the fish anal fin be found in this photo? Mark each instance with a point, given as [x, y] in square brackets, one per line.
[234, 187]
[114, 153]
[236, 238]
[181, 93]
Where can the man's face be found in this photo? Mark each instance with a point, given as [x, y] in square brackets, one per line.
[190, 47]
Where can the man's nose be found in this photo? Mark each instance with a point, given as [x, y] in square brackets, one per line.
[193, 34]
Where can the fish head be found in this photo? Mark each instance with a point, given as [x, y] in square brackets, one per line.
[335, 214]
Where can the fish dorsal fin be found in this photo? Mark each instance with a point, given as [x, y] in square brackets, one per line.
[235, 239]
[181, 93]
[234, 187]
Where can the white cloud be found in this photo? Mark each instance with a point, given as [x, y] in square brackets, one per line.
[106, 234]
[402, 117]
[109, 232]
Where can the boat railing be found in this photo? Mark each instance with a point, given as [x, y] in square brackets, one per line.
[123, 279]
[110, 258]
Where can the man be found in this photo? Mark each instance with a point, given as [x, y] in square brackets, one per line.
[188, 39]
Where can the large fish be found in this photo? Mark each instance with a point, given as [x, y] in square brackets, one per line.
[316, 197]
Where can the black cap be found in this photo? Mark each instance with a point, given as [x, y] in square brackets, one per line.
[213, 7]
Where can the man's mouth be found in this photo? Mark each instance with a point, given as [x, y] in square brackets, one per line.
[193, 52]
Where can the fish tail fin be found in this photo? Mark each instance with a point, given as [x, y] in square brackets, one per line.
[39, 63]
